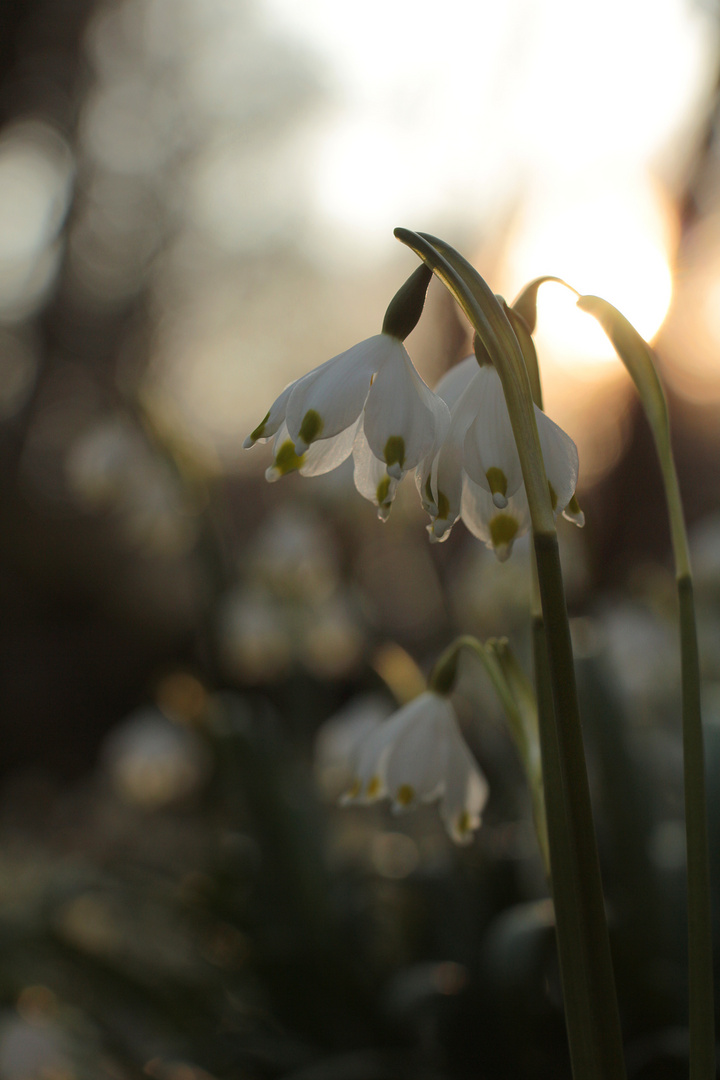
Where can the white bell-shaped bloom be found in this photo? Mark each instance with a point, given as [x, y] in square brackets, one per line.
[419, 755]
[369, 401]
[329, 398]
[476, 472]
[490, 456]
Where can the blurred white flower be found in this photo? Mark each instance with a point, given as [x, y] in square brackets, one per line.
[475, 472]
[111, 466]
[419, 755]
[33, 1049]
[254, 637]
[369, 401]
[153, 761]
[338, 737]
[332, 640]
[293, 553]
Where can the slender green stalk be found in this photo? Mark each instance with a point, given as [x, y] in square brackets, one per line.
[596, 1044]
[531, 750]
[516, 696]
[591, 1011]
[638, 358]
[702, 1013]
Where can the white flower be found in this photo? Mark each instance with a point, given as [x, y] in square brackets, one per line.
[476, 475]
[419, 755]
[369, 401]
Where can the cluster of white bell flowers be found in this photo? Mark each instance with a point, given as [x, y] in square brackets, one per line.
[458, 440]
[419, 756]
[371, 402]
[475, 474]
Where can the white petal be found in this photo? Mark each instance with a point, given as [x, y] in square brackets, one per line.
[402, 415]
[369, 760]
[442, 500]
[334, 393]
[446, 487]
[466, 789]
[561, 459]
[275, 417]
[285, 460]
[575, 514]
[415, 769]
[370, 475]
[498, 529]
[424, 471]
[326, 454]
[489, 442]
[455, 381]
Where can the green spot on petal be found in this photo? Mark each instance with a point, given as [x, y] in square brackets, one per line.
[443, 505]
[286, 460]
[405, 794]
[553, 496]
[258, 432]
[395, 451]
[428, 490]
[311, 426]
[503, 530]
[382, 490]
[497, 480]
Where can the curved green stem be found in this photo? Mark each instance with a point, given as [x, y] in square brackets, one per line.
[516, 696]
[591, 1011]
[638, 358]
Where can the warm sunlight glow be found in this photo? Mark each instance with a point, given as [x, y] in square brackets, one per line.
[610, 239]
[691, 334]
[422, 134]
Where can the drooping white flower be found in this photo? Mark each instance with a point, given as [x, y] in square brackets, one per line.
[369, 401]
[419, 755]
[476, 472]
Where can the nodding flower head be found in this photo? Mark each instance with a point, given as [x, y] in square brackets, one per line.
[419, 755]
[475, 473]
[368, 401]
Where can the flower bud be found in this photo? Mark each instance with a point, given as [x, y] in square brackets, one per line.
[405, 308]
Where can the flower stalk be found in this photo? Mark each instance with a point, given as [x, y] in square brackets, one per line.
[516, 696]
[637, 356]
[591, 1011]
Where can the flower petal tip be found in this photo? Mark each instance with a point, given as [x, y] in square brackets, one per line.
[438, 532]
[499, 500]
[503, 553]
[272, 475]
[394, 471]
[248, 442]
[301, 447]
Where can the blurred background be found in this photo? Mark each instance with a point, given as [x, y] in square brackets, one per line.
[197, 200]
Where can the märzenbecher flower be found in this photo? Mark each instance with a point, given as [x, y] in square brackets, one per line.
[369, 401]
[475, 473]
[419, 755]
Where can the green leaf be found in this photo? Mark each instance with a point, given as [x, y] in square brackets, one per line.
[639, 360]
[525, 303]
